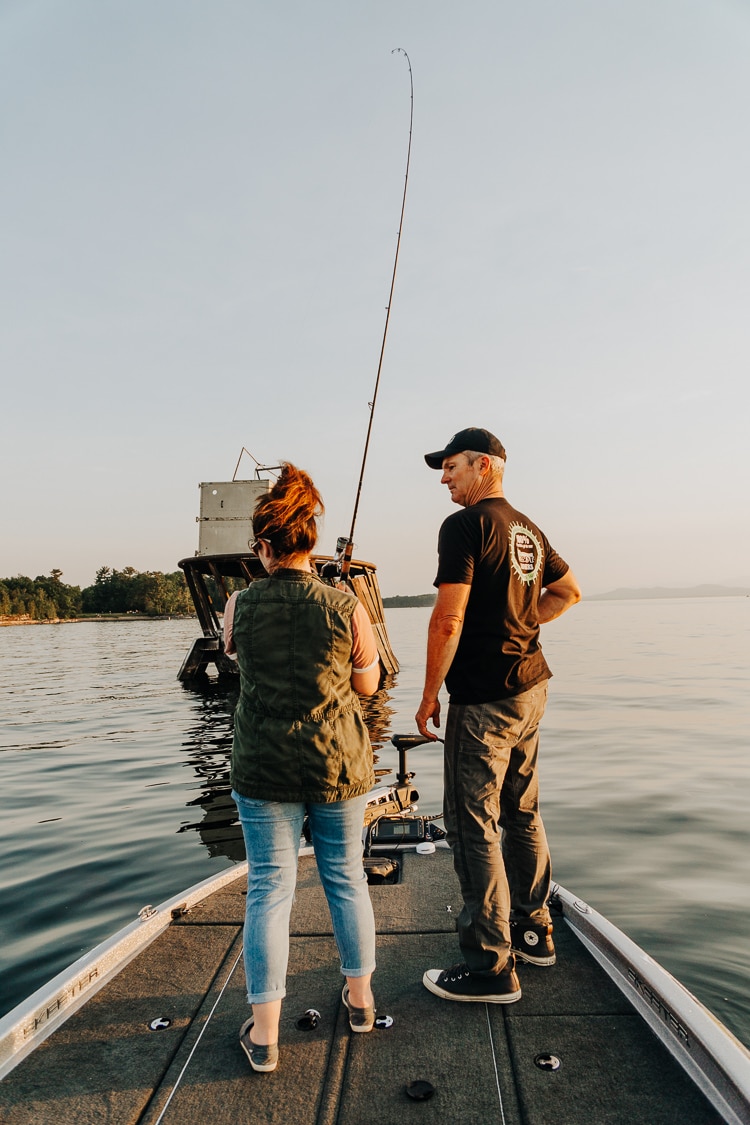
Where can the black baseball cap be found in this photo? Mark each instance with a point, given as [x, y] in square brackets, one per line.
[473, 439]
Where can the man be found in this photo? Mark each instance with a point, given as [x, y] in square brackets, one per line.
[498, 580]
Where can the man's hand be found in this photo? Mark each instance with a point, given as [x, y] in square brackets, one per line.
[428, 709]
[446, 622]
[558, 597]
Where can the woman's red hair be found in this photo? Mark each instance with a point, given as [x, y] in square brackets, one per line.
[287, 515]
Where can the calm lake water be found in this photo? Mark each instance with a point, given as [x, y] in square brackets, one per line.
[115, 792]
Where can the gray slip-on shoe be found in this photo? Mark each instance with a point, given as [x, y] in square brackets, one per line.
[262, 1057]
[360, 1019]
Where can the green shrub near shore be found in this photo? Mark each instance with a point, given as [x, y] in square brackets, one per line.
[40, 598]
[149, 592]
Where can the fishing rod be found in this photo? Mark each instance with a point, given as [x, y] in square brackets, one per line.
[344, 547]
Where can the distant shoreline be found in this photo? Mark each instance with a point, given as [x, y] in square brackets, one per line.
[705, 591]
[407, 601]
[622, 594]
[24, 618]
[410, 601]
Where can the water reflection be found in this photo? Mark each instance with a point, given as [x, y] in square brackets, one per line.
[378, 713]
[207, 747]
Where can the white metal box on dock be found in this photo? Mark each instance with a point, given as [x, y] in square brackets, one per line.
[225, 522]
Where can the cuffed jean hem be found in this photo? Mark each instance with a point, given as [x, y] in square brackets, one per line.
[357, 972]
[265, 997]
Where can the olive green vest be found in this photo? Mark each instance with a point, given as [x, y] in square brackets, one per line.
[299, 734]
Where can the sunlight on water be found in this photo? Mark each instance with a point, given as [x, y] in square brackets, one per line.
[115, 780]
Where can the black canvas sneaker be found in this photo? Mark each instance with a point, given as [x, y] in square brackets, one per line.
[532, 942]
[459, 983]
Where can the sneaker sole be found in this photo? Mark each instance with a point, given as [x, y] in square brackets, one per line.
[549, 960]
[493, 998]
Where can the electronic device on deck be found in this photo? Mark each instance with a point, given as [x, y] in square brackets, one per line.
[389, 814]
[391, 830]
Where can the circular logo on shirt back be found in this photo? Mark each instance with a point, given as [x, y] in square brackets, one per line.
[525, 553]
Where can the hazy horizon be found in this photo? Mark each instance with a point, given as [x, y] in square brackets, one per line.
[201, 206]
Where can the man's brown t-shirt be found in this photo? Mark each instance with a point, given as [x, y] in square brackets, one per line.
[507, 561]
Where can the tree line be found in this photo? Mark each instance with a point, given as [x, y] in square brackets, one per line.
[149, 592]
[407, 601]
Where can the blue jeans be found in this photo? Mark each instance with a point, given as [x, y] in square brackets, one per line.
[493, 823]
[272, 832]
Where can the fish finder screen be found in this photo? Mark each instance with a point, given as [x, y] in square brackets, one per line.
[400, 829]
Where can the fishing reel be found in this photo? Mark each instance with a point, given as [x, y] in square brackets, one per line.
[333, 571]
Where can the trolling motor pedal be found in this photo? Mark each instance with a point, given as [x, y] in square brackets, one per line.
[410, 741]
[401, 798]
[404, 742]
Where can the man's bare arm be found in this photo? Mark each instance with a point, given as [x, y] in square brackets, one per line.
[443, 636]
[558, 596]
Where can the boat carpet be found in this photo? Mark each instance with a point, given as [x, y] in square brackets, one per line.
[106, 1065]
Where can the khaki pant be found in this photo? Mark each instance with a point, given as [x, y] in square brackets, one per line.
[492, 819]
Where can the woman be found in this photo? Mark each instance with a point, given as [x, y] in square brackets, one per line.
[300, 747]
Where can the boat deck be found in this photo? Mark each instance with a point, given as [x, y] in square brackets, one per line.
[105, 1064]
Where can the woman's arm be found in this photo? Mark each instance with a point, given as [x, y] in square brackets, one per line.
[365, 659]
[229, 648]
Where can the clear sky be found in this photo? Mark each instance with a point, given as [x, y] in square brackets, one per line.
[199, 206]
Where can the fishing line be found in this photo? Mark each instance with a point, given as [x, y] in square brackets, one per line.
[347, 556]
[195, 1045]
[494, 1063]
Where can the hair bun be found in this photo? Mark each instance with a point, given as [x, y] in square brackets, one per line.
[287, 515]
